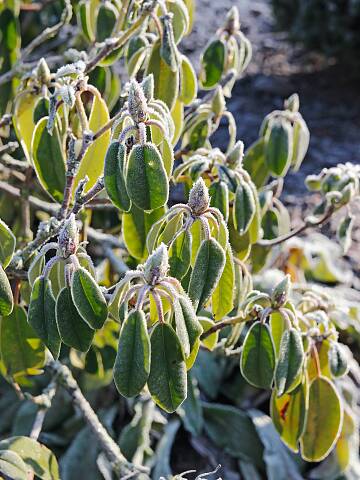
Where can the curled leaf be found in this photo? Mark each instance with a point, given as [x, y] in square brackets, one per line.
[209, 265]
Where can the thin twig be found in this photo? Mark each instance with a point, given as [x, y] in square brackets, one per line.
[11, 162]
[297, 231]
[225, 323]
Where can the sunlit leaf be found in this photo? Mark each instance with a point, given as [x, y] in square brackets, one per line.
[324, 420]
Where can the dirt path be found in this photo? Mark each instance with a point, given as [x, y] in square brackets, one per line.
[329, 92]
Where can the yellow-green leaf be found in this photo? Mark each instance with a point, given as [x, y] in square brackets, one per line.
[288, 413]
[324, 420]
[166, 81]
[7, 244]
[49, 159]
[23, 121]
[92, 164]
[223, 296]
[22, 352]
[188, 82]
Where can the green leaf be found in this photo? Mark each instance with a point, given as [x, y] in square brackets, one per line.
[290, 362]
[7, 244]
[324, 419]
[191, 410]
[279, 464]
[244, 207]
[74, 331]
[278, 147]
[337, 360]
[80, 458]
[42, 315]
[41, 109]
[135, 226]
[323, 349]
[167, 380]
[114, 176]
[84, 20]
[257, 362]
[177, 114]
[197, 135]
[219, 197]
[167, 155]
[180, 20]
[10, 40]
[36, 267]
[188, 327]
[344, 232]
[301, 140]
[146, 180]
[12, 466]
[162, 468]
[92, 164]
[6, 296]
[49, 159]
[132, 364]
[23, 121]
[188, 82]
[166, 81]
[38, 458]
[277, 328]
[254, 163]
[88, 298]
[223, 297]
[168, 49]
[209, 265]
[57, 276]
[212, 63]
[106, 20]
[180, 255]
[232, 431]
[288, 413]
[134, 441]
[22, 352]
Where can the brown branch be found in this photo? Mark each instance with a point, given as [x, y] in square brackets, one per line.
[298, 230]
[225, 323]
[121, 466]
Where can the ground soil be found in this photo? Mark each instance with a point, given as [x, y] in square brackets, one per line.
[328, 90]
